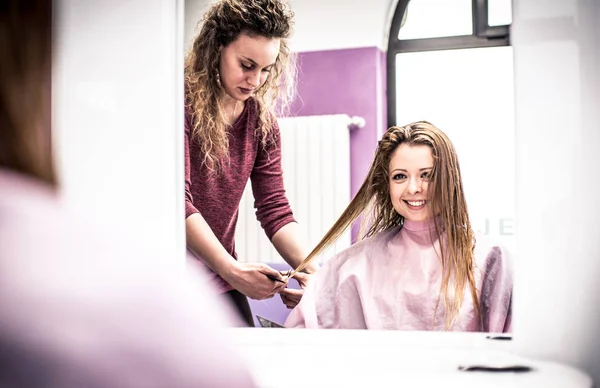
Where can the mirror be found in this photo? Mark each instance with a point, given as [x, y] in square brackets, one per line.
[351, 88]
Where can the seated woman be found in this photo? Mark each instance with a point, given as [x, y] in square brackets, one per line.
[419, 266]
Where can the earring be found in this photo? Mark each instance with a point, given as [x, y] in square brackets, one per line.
[219, 79]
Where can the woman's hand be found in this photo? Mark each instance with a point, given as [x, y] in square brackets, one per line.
[251, 279]
[291, 297]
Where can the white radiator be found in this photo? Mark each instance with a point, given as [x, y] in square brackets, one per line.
[316, 170]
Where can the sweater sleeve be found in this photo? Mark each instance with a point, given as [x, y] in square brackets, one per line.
[273, 210]
[189, 200]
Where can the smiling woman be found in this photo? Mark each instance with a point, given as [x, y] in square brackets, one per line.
[419, 249]
[410, 170]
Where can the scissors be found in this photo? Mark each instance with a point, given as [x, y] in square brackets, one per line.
[287, 274]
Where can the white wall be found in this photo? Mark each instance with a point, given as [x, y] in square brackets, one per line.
[338, 24]
[117, 112]
[194, 11]
[557, 73]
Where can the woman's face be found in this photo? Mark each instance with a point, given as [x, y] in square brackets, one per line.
[246, 63]
[409, 171]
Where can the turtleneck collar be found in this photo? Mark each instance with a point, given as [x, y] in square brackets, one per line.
[418, 226]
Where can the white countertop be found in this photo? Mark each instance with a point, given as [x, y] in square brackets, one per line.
[347, 358]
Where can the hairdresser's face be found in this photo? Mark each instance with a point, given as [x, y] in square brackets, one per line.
[246, 63]
[410, 168]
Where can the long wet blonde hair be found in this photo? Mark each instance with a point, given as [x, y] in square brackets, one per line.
[372, 203]
[222, 24]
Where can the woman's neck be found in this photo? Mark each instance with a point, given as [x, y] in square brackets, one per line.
[232, 109]
[417, 226]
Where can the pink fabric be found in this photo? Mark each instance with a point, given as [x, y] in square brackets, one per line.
[78, 308]
[392, 281]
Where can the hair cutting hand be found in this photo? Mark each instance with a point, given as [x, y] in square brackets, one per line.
[253, 280]
[292, 297]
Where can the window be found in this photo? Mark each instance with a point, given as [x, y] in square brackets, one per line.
[499, 12]
[418, 25]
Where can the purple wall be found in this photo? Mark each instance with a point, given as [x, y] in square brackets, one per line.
[347, 81]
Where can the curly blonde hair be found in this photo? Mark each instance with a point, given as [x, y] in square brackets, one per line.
[373, 204]
[222, 24]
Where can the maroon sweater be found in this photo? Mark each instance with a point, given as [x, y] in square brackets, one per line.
[217, 195]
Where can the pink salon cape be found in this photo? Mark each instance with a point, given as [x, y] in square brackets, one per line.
[391, 281]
